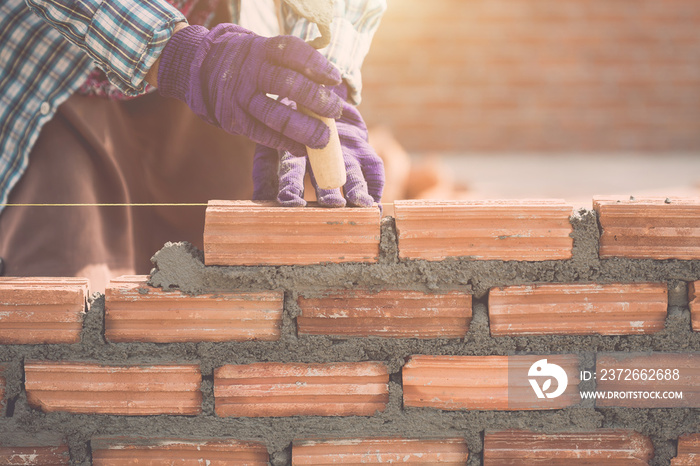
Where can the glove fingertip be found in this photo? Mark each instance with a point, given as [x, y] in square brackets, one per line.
[360, 199]
[286, 200]
[330, 199]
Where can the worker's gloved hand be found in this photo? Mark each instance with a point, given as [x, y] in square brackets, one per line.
[280, 175]
[224, 75]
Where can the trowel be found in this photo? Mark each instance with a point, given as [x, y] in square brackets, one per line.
[327, 163]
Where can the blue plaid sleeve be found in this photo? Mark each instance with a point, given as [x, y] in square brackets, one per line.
[123, 37]
[354, 25]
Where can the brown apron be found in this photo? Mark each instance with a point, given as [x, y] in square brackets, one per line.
[146, 150]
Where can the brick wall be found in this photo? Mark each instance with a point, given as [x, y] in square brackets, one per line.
[388, 358]
[543, 75]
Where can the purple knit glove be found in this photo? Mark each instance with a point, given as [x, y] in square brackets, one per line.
[280, 175]
[224, 75]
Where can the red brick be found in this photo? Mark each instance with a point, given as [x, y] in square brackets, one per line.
[295, 389]
[650, 228]
[688, 451]
[380, 451]
[483, 382]
[34, 455]
[694, 298]
[42, 310]
[389, 313]
[686, 460]
[604, 447]
[92, 388]
[520, 230]
[631, 366]
[125, 450]
[578, 309]
[135, 311]
[263, 233]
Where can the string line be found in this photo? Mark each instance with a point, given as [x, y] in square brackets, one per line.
[158, 204]
[162, 204]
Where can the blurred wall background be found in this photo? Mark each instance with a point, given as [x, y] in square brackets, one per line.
[466, 76]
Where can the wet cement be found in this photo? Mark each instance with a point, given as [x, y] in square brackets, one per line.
[180, 266]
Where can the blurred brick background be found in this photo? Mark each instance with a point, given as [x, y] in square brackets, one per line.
[558, 76]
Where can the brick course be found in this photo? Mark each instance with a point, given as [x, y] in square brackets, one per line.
[604, 447]
[650, 228]
[42, 310]
[578, 309]
[528, 230]
[259, 233]
[294, 389]
[126, 450]
[482, 382]
[135, 311]
[35, 455]
[308, 386]
[380, 451]
[92, 388]
[688, 451]
[389, 313]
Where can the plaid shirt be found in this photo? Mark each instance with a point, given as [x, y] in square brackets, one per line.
[40, 69]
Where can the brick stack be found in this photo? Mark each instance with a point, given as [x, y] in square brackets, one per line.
[270, 363]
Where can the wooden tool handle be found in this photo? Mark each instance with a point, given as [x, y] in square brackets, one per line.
[327, 163]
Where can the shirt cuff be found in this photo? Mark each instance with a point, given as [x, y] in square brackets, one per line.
[352, 30]
[126, 38]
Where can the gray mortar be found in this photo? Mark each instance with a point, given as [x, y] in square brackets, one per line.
[180, 266]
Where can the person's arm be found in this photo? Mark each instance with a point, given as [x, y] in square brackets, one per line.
[224, 74]
[280, 176]
[123, 37]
